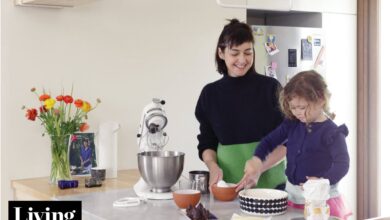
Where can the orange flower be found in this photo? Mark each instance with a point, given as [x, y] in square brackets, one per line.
[84, 126]
[60, 98]
[78, 103]
[58, 118]
[31, 114]
[43, 97]
[68, 99]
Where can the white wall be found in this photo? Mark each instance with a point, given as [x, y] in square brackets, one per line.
[125, 52]
[341, 75]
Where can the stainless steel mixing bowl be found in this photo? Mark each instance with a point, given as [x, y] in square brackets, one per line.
[160, 169]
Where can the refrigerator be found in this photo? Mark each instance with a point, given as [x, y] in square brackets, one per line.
[281, 52]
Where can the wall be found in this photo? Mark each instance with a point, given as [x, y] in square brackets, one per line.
[341, 75]
[124, 52]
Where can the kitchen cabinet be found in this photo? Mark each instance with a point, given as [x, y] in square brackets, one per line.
[41, 189]
[51, 3]
[326, 6]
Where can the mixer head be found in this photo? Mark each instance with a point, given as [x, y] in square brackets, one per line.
[151, 136]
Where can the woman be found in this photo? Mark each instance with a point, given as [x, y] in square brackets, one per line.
[236, 111]
[86, 155]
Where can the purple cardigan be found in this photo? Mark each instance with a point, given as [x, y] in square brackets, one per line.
[317, 149]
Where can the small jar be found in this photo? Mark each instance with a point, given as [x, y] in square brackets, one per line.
[316, 210]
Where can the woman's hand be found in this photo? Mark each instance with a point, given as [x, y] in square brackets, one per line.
[216, 173]
[210, 159]
[252, 172]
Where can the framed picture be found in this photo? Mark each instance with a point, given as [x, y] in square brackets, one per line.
[82, 153]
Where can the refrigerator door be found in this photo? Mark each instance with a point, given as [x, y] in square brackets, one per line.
[290, 50]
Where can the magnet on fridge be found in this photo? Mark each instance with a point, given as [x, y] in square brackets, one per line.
[292, 57]
[271, 48]
[309, 39]
[269, 71]
[270, 38]
[317, 42]
[274, 65]
[258, 31]
[306, 50]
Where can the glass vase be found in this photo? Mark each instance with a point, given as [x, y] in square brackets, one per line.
[60, 168]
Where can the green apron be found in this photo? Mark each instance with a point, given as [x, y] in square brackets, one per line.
[231, 159]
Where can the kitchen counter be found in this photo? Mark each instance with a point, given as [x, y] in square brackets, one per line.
[41, 189]
[97, 202]
[99, 206]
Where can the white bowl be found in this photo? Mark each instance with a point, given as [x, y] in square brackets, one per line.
[264, 202]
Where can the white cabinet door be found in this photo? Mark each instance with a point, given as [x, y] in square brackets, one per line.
[325, 6]
[332, 6]
[51, 3]
[276, 5]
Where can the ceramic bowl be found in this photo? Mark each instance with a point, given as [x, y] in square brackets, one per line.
[224, 193]
[186, 197]
[265, 202]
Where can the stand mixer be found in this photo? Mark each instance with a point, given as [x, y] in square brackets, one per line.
[159, 169]
[150, 135]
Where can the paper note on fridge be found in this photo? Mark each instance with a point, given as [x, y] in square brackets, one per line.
[306, 50]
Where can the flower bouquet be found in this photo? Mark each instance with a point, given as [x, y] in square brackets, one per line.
[61, 117]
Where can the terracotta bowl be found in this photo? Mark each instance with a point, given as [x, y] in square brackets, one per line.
[186, 197]
[224, 193]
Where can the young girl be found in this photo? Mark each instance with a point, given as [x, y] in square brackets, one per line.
[316, 146]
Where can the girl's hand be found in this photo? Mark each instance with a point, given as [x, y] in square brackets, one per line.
[309, 178]
[252, 172]
[216, 173]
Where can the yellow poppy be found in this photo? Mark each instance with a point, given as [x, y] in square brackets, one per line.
[49, 103]
[86, 107]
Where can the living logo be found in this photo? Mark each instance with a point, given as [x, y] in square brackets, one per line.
[44, 210]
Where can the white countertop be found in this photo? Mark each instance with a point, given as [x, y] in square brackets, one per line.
[98, 205]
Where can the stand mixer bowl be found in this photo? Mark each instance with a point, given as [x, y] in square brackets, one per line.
[160, 169]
